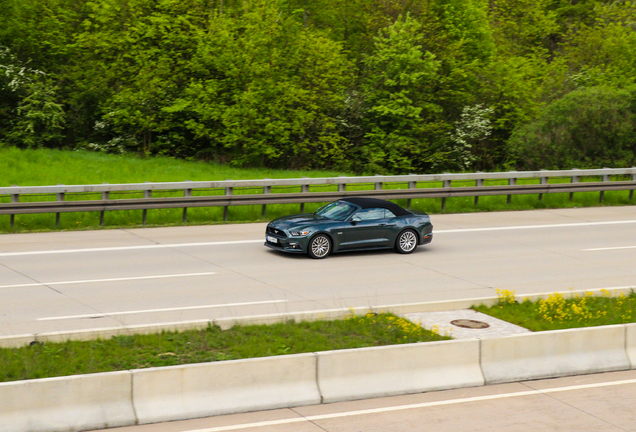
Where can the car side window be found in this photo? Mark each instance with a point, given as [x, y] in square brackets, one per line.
[370, 214]
[388, 214]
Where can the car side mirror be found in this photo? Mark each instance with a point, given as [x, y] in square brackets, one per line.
[355, 219]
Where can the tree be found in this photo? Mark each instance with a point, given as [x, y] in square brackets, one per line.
[30, 115]
[134, 61]
[588, 128]
[265, 90]
[604, 52]
[523, 27]
[400, 113]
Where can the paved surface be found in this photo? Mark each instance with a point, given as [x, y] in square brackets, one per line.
[595, 403]
[67, 281]
[442, 322]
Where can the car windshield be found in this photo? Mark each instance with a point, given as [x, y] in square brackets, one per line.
[338, 210]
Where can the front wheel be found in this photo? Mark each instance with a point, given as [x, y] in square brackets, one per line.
[406, 242]
[319, 246]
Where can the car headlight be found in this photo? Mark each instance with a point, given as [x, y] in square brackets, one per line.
[300, 233]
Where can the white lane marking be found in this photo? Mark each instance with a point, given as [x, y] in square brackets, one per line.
[523, 227]
[124, 248]
[608, 248]
[179, 245]
[106, 280]
[413, 406]
[98, 315]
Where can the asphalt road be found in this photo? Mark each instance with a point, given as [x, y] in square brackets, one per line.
[65, 281]
[594, 403]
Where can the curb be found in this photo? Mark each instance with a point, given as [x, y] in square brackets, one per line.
[143, 396]
[225, 323]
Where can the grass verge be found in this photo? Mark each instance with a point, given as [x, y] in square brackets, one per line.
[50, 167]
[558, 312]
[211, 344]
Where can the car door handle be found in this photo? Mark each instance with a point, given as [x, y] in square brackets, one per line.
[386, 225]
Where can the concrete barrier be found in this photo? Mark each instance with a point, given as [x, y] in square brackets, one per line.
[85, 402]
[398, 369]
[16, 341]
[208, 389]
[554, 353]
[630, 345]
[67, 404]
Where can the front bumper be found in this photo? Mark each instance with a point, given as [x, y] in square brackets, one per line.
[291, 245]
[426, 239]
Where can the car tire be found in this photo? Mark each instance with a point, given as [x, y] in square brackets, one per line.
[406, 242]
[319, 246]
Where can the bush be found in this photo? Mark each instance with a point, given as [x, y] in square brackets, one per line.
[587, 128]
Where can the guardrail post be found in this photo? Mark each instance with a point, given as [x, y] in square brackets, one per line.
[186, 193]
[575, 179]
[378, 185]
[445, 184]
[303, 189]
[511, 182]
[606, 178]
[631, 192]
[543, 180]
[266, 190]
[147, 194]
[105, 196]
[228, 191]
[412, 185]
[478, 183]
[59, 197]
[341, 186]
[15, 198]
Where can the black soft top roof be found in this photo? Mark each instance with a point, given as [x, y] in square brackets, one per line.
[375, 203]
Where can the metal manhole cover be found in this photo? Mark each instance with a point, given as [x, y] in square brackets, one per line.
[470, 324]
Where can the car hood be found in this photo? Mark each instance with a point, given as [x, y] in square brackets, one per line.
[298, 221]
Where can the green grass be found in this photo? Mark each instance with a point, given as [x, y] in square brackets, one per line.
[50, 167]
[560, 312]
[211, 344]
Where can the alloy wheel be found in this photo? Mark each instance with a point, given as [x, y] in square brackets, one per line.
[320, 246]
[407, 242]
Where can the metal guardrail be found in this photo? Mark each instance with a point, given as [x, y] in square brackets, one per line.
[228, 198]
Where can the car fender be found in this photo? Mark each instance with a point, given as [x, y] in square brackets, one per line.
[411, 227]
[328, 234]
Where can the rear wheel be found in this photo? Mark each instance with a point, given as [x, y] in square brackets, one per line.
[406, 242]
[319, 246]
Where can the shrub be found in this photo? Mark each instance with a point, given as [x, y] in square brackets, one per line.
[587, 128]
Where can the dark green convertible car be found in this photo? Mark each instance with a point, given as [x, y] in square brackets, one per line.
[350, 224]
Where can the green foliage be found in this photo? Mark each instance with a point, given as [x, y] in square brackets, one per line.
[516, 88]
[398, 101]
[265, 90]
[473, 126]
[41, 32]
[523, 27]
[135, 61]
[40, 119]
[562, 312]
[372, 86]
[604, 52]
[587, 128]
[207, 345]
[30, 115]
[464, 23]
